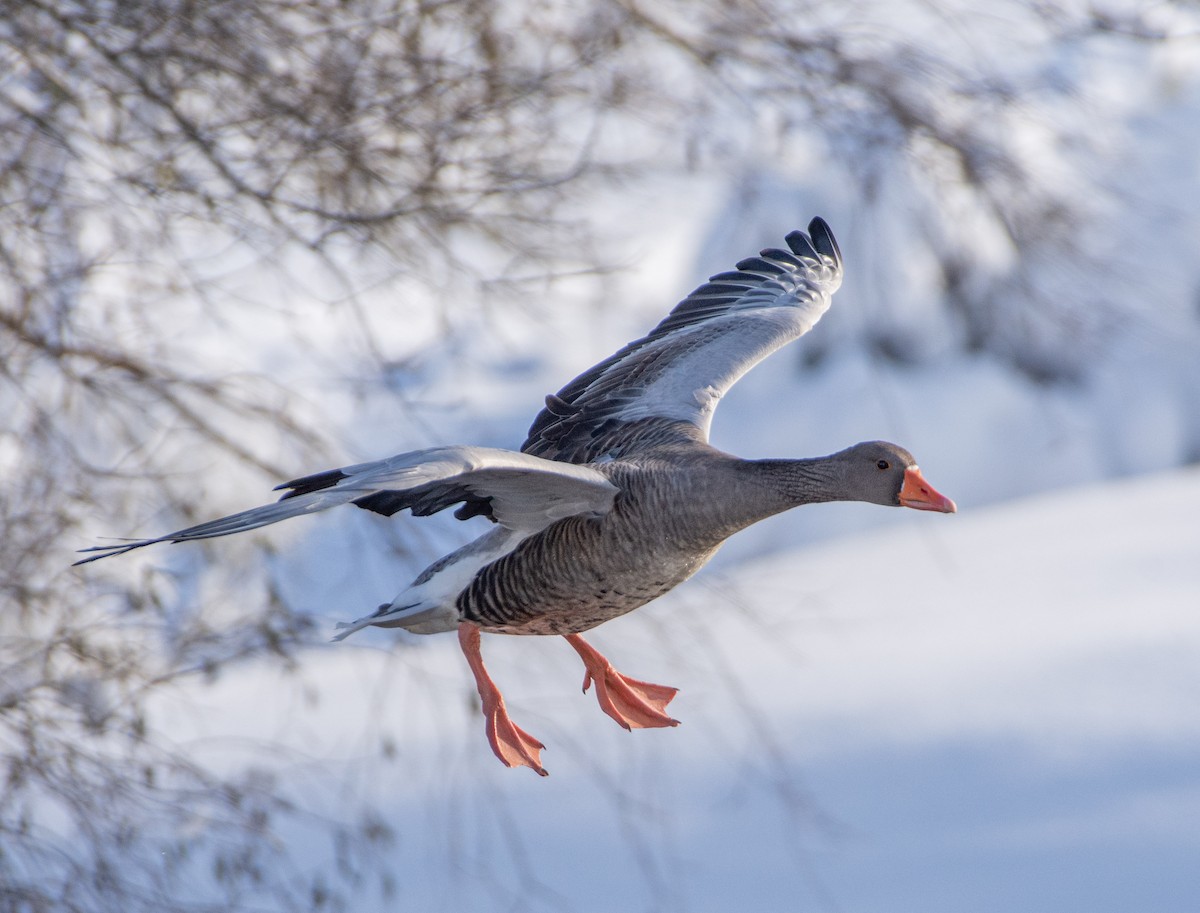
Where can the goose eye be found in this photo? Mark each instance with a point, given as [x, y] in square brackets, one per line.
[884, 464]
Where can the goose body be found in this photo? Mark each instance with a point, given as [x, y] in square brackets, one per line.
[616, 497]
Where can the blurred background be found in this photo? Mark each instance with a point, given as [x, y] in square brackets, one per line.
[243, 242]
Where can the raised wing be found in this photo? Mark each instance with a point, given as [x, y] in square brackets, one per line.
[516, 490]
[667, 384]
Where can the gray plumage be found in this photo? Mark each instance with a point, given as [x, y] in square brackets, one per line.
[580, 544]
[676, 504]
[617, 496]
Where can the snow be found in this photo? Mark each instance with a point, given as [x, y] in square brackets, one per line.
[989, 711]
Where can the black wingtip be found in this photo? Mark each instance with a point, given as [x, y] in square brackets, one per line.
[108, 551]
[823, 239]
[92, 558]
[802, 245]
[307, 484]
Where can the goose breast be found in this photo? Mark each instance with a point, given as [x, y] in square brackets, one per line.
[583, 571]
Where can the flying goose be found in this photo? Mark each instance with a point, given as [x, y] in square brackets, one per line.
[616, 496]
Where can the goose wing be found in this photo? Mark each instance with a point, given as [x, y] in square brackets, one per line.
[520, 492]
[667, 384]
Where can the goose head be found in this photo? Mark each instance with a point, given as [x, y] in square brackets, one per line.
[880, 472]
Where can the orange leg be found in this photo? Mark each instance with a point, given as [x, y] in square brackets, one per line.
[633, 704]
[513, 745]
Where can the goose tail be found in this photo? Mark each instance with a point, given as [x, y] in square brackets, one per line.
[417, 617]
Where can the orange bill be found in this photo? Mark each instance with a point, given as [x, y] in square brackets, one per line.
[920, 495]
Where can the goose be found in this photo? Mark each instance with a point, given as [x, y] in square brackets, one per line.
[615, 497]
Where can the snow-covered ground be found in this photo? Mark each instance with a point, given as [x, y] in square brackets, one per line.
[998, 710]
